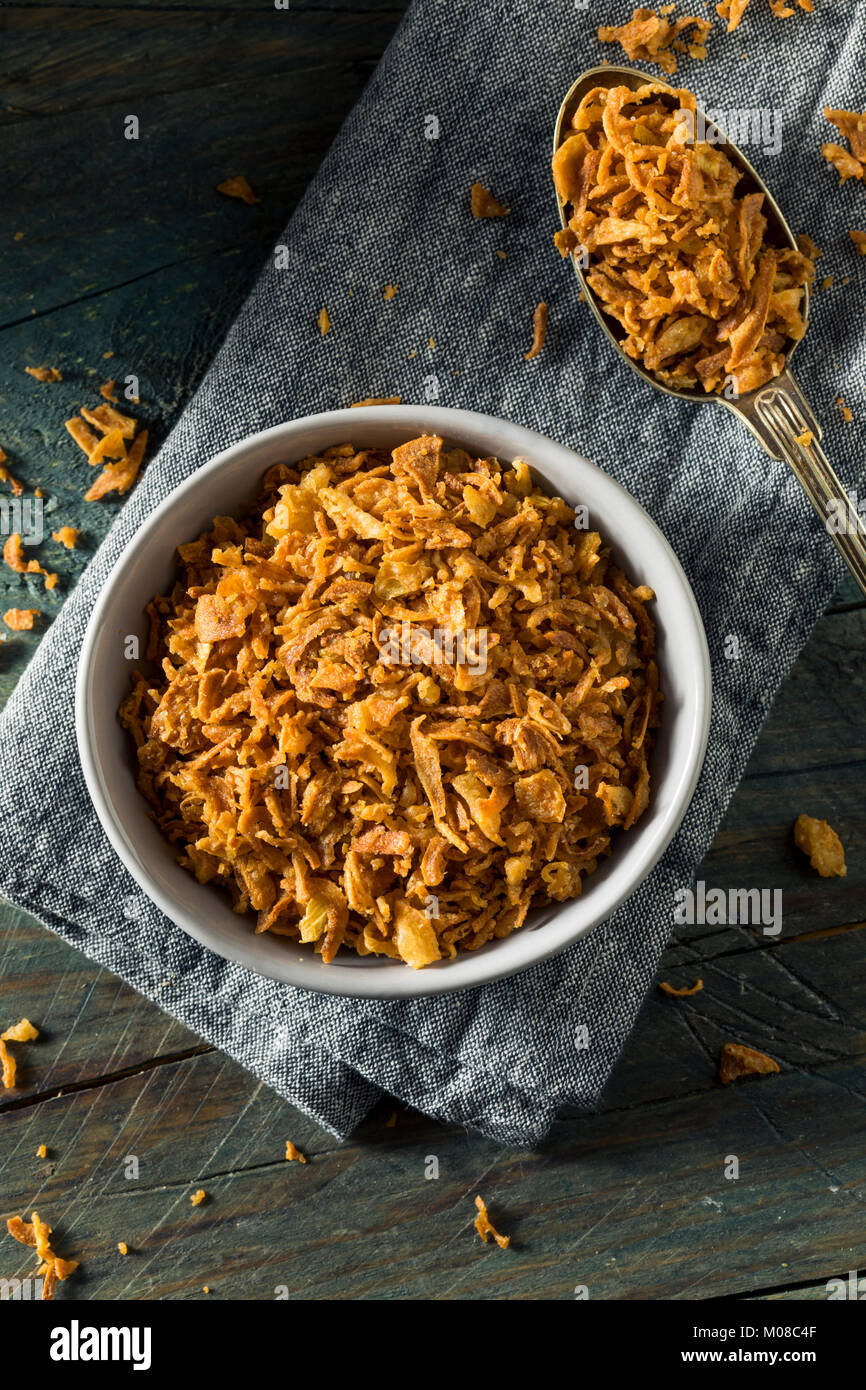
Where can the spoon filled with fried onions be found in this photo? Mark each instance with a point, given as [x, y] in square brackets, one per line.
[691, 269]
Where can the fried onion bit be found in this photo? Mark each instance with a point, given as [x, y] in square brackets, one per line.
[685, 993]
[36, 1233]
[24, 1031]
[484, 204]
[485, 1227]
[649, 37]
[738, 1060]
[238, 187]
[819, 841]
[539, 331]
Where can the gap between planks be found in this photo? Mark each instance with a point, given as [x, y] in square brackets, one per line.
[745, 1294]
[93, 1083]
[136, 279]
[367, 65]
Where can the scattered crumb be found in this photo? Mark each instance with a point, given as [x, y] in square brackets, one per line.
[847, 415]
[377, 400]
[859, 240]
[109, 421]
[22, 1031]
[119, 476]
[805, 438]
[6, 477]
[850, 163]
[685, 993]
[112, 445]
[737, 1060]
[390, 291]
[13, 554]
[44, 373]
[108, 354]
[293, 1155]
[485, 1228]
[20, 619]
[733, 11]
[18, 236]
[123, 1247]
[807, 247]
[819, 841]
[484, 204]
[238, 188]
[431, 343]
[205, 1288]
[539, 331]
[42, 1151]
[37, 492]
[843, 161]
[67, 535]
[36, 1233]
[827, 282]
[84, 438]
[501, 255]
[198, 1197]
[324, 322]
[107, 390]
[648, 37]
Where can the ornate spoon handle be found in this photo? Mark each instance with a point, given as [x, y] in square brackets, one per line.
[782, 421]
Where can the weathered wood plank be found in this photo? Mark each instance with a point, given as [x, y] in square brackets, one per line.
[91, 1024]
[800, 1000]
[755, 848]
[664, 1113]
[164, 329]
[125, 54]
[633, 1206]
[204, 9]
[848, 595]
[164, 207]
[818, 719]
[815, 1293]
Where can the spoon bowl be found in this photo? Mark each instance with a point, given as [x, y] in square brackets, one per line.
[777, 414]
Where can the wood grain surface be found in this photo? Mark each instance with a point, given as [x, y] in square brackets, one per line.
[102, 254]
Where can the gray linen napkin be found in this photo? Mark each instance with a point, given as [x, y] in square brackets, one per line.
[468, 92]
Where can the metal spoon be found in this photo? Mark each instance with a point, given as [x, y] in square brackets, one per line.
[777, 412]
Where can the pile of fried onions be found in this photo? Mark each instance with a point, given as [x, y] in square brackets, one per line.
[356, 793]
[670, 252]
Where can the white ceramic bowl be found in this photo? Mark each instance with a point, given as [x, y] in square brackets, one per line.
[226, 485]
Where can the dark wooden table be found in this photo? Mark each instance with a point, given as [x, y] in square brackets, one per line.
[104, 253]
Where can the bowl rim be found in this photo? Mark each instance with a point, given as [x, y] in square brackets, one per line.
[469, 969]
